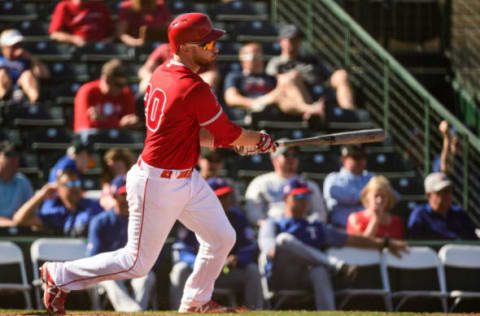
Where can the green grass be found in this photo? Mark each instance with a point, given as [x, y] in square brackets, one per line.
[254, 313]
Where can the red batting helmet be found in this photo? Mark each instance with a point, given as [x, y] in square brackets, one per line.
[195, 28]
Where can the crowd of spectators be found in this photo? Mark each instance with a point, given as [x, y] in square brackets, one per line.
[293, 218]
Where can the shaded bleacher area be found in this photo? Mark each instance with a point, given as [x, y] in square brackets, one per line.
[45, 129]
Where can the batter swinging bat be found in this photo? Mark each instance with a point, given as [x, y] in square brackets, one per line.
[345, 138]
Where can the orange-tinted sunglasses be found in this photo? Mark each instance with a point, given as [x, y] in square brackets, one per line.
[206, 46]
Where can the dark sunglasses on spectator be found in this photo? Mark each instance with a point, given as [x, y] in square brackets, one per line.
[206, 46]
[72, 184]
[302, 196]
[214, 160]
[12, 154]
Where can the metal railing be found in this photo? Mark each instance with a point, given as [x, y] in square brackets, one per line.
[465, 55]
[396, 101]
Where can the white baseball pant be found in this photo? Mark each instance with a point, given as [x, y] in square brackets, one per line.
[155, 204]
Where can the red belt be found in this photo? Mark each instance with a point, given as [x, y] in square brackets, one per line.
[167, 174]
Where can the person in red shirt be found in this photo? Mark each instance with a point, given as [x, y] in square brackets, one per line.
[375, 221]
[162, 53]
[182, 114]
[105, 103]
[136, 16]
[80, 21]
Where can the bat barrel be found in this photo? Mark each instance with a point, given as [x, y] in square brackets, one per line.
[344, 138]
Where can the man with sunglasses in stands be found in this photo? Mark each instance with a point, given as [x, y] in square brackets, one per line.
[182, 114]
[342, 189]
[105, 103]
[59, 206]
[292, 247]
[264, 194]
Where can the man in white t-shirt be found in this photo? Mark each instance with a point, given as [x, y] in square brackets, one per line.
[264, 196]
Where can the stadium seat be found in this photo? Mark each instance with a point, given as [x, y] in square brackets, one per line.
[11, 254]
[32, 116]
[408, 185]
[386, 162]
[253, 31]
[237, 11]
[103, 140]
[33, 30]
[343, 119]
[11, 11]
[462, 266]
[102, 52]
[251, 166]
[316, 165]
[180, 6]
[58, 249]
[62, 72]
[49, 50]
[411, 269]
[364, 284]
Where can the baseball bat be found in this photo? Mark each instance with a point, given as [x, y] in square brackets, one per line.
[344, 138]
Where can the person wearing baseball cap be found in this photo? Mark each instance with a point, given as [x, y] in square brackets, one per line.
[240, 272]
[264, 195]
[108, 232]
[293, 244]
[342, 189]
[77, 160]
[310, 69]
[18, 67]
[439, 218]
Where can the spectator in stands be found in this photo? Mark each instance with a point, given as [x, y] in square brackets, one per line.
[78, 22]
[292, 247]
[264, 196]
[439, 218]
[210, 162]
[15, 188]
[18, 67]
[76, 160]
[375, 220]
[108, 232]
[449, 161]
[240, 273]
[163, 53]
[306, 71]
[342, 189]
[137, 19]
[61, 207]
[105, 103]
[116, 162]
[253, 90]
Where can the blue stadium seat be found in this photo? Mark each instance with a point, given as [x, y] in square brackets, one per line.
[237, 11]
[99, 51]
[49, 50]
[68, 72]
[261, 31]
[11, 11]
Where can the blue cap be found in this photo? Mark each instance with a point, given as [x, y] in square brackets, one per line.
[219, 186]
[118, 185]
[295, 186]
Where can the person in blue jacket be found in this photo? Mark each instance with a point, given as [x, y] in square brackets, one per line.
[60, 207]
[240, 272]
[76, 160]
[439, 218]
[108, 232]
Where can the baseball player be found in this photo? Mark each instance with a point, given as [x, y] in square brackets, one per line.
[182, 114]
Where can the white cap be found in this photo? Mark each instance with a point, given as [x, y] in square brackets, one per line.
[436, 181]
[11, 37]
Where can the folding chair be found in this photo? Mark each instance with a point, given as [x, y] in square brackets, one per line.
[465, 283]
[12, 254]
[362, 258]
[419, 259]
[58, 249]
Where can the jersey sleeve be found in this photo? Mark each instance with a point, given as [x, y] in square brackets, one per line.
[210, 115]
[58, 18]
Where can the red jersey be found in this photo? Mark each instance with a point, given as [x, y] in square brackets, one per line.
[110, 108]
[358, 222]
[158, 18]
[92, 21]
[177, 104]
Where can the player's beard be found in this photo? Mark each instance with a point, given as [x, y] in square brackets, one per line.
[204, 61]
